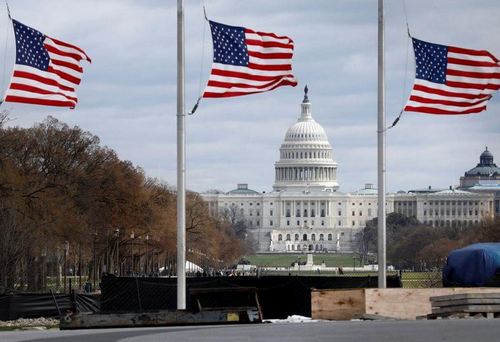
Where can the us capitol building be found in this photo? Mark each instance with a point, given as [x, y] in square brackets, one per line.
[306, 212]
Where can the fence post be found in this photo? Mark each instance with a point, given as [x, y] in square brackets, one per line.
[55, 302]
[138, 294]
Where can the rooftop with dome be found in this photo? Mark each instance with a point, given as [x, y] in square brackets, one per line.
[486, 166]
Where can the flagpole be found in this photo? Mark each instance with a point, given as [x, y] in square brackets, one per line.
[181, 163]
[381, 253]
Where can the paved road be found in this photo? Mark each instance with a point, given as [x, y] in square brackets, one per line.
[376, 331]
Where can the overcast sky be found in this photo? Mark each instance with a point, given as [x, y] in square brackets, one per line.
[128, 93]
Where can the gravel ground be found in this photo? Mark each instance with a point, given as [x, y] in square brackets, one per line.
[30, 323]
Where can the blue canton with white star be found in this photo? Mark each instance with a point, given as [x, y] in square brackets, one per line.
[431, 60]
[229, 44]
[29, 47]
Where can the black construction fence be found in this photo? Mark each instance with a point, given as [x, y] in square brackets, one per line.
[279, 296]
[280, 293]
[33, 305]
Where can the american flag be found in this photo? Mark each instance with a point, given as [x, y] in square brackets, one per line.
[452, 80]
[248, 62]
[46, 71]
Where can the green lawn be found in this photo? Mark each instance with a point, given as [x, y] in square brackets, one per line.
[284, 260]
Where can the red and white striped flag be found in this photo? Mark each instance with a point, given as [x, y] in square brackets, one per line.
[248, 62]
[452, 80]
[46, 71]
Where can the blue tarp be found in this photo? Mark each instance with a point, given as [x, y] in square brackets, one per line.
[474, 265]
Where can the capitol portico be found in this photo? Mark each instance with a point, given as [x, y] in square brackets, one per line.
[306, 211]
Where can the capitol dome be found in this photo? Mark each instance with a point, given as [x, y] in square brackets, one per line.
[306, 157]
[306, 130]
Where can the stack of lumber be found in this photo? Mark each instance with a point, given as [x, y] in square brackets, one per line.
[346, 304]
[466, 305]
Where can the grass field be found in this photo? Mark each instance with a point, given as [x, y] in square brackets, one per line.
[409, 279]
[284, 260]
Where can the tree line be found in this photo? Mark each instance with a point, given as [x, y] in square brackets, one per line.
[413, 245]
[70, 206]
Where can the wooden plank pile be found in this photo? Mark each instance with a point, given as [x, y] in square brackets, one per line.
[466, 305]
[397, 303]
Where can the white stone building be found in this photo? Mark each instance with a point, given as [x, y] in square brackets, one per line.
[305, 210]
[445, 208]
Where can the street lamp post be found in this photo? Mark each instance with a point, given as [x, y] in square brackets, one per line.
[79, 266]
[94, 261]
[66, 249]
[147, 255]
[132, 236]
[44, 268]
[117, 268]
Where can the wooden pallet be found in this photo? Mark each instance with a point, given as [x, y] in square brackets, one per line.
[466, 305]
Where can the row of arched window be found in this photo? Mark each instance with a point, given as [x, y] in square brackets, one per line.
[305, 237]
[305, 136]
[305, 155]
[305, 248]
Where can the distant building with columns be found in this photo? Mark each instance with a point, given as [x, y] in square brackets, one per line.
[484, 179]
[306, 211]
[445, 208]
